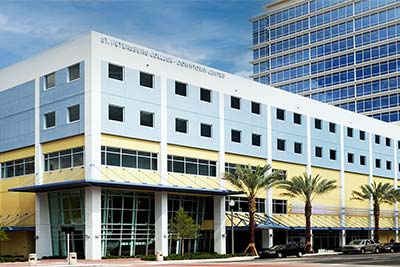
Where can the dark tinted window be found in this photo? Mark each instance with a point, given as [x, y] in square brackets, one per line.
[388, 143]
[146, 118]
[205, 130]
[50, 120]
[377, 163]
[115, 113]
[281, 143]
[115, 72]
[332, 154]
[255, 108]
[280, 114]
[73, 72]
[362, 135]
[146, 79]
[180, 125]
[73, 114]
[318, 152]
[318, 124]
[297, 118]
[332, 127]
[235, 102]
[256, 140]
[350, 157]
[298, 148]
[377, 139]
[205, 95]
[349, 132]
[362, 160]
[180, 88]
[235, 136]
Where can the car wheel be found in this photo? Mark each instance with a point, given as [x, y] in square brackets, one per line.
[299, 254]
[377, 250]
[362, 251]
[391, 250]
[345, 252]
[279, 255]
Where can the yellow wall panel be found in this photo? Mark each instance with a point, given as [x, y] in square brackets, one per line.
[17, 154]
[384, 181]
[244, 160]
[73, 174]
[186, 180]
[71, 142]
[21, 243]
[119, 174]
[129, 143]
[353, 182]
[333, 197]
[291, 170]
[192, 152]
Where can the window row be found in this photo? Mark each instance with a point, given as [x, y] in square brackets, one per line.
[291, 73]
[263, 79]
[332, 47]
[377, 18]
[236, 103]
[291, 43]
[291, 58]
[193, 166]
[260, 25]
[128, 158]
[377, 103]
[296, 87]
[64, 159]
[387, 116]
[335, 94]
[260, 37]
[378, 86]
[73, 73]
[332, 63]
[332, 79]
[377, 52]
[290, 28]
[281, 146]
[260, 52]
[331, 31]
[351, 106]
[242, 204]
[288, 14]
[260, 67]
[73, 115]
[378, 35]
[378, 69]
[316, 5]
[18, 167]
[331, 16]
[236, 137]
[366, 5]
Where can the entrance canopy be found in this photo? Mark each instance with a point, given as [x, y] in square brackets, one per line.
[262, 221]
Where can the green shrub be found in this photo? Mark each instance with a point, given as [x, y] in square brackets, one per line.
[147, 257]
[11, 258]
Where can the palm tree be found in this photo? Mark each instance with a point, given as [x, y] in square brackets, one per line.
[307, 187]
[251, 180]
[379, 193]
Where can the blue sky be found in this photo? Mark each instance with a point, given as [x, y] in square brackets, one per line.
[212, 32]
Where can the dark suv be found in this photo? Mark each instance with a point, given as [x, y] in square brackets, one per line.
[281, 251]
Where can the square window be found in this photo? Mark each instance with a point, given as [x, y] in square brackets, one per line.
[318, 124]
[205, 95]
[73, 114]
[115, 113]
[362, 160]
[205, 130]
[388, 165]
[349, 132]
[332, 127]
[180, 88]
[73, 72]
[377, 139]
[50, 80]
[398, 144]
[350, 157]
[50, 120]
[362, 135]
[115, 72]
[281, 144]
[298, 148]
[235, 102]
[181, 125]
[235, 136]
[280, 114]
[318, 152]
[388, 142]
[296, 118]
[146, 80]
[147, 118]
[377, 163]
[256, 140]
[255, 108]
[332, 154]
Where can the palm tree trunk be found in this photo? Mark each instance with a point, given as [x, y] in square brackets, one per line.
[308, 213]
[252, 211]
[376, 219]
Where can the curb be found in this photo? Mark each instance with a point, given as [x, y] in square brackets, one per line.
[232, 259]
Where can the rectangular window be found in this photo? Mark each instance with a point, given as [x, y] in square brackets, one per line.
[73, 114]
[256, 140]
[349, 132]
[362, 135]
[205, 95]
[255, 108]
[181, 125]
[74, 72]
[377, 163]
[146, 80]
[115, 113]
[332, 127]
[50, 80]
[388, 142]
[350, 157]
[281, 144]
[147, 118]
[362, 160]
[318, 152]
[180, 88]
[235, 136]
[18, 167]
[318, 124]
[128, 158]
[332, 154]
[235, 102]
[296, 118]
[194, 166]
[377, 139]
[50, 120]
[280, 114]
[206, 130]
[298, 148]
[388, 165]
[115, 72]
[64, 159]
[279, 206]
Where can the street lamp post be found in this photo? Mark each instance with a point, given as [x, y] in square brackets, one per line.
[231, 204]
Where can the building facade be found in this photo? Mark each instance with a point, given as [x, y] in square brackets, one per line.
[341, 52]
[104, 140]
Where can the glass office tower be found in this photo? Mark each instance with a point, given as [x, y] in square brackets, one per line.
[341, 52]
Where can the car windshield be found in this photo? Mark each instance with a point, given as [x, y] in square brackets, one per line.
[276, 247]
[356, 242]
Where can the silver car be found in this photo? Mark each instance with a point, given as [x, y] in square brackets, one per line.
[361, 246]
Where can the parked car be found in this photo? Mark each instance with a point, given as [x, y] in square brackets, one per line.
[361, 246]
[390, 247]
[282, 251]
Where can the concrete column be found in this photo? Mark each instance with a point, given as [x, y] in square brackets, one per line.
[161, 222]
[342, 238]
[163, 156]
[267, 238]
[395, 185]
[342, 180]
[219, 225]
[268, 200]
[43, 233]
[371, 179]
[221, 152]
[93, 223]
